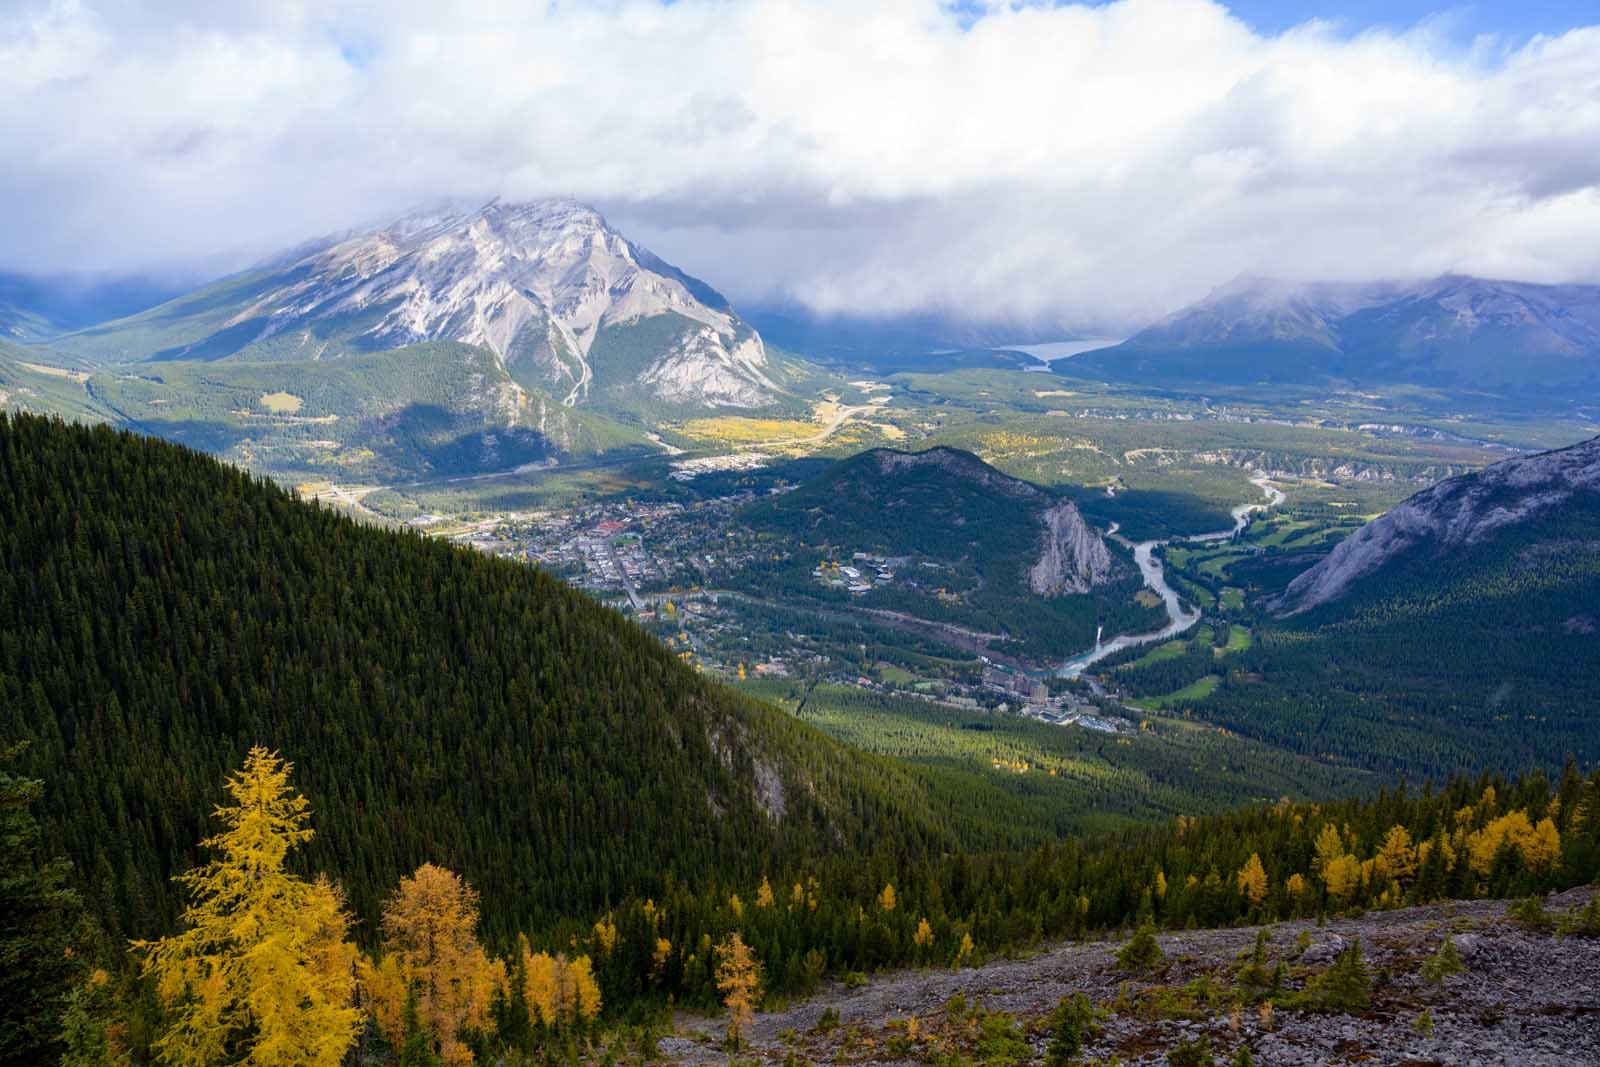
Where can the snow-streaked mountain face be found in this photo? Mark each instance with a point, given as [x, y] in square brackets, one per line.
[1457, 513]
[535, 283]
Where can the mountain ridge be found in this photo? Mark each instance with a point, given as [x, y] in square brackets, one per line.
[1457, 513]
[1451, 331]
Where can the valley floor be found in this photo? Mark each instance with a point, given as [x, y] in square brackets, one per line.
[1527, 997]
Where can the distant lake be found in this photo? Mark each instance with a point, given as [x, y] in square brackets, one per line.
[1051, 351]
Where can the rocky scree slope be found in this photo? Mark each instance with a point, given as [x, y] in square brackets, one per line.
[1526, 997]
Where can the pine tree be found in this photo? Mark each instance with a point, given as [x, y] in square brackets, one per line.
[262, 972]
[41, 928]
[416, 1045]
[1141, 953]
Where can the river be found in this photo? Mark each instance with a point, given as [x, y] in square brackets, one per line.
[1155, 579]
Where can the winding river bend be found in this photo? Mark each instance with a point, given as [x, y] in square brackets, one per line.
[1155, 579]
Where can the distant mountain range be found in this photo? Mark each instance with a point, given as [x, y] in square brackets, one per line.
[1451, 332]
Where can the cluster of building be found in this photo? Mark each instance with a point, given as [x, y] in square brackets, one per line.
[862, 574]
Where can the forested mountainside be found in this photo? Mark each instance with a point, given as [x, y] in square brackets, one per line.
[461, 722]
[980, 548]
[1455, 631]
[1458, 628]
[161, 612]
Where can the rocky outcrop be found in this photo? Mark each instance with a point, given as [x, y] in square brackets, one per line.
[1455, 514]
[1074, 559]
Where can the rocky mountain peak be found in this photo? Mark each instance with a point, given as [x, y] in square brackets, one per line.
[534, 282]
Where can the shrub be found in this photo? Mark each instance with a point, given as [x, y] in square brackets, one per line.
[1530, 912]
[1584, 921]
[1443, 964]
[1072, 1022]
[1196, 1053]
[1346, 986]
[1141, 954]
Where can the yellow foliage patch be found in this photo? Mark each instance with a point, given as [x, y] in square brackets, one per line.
[281, 403]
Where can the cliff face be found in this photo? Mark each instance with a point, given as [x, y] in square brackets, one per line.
[1074, 558]
[1457, 513]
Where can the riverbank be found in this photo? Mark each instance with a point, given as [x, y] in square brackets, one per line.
[1179, 619]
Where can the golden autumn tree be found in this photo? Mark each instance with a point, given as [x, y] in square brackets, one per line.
[430, 946]
[887, 898]
[739, 982]
[563, 993]
[1397, 858]
[1329, 847]
[261, 974]
[1342, 876]
[1252, 879]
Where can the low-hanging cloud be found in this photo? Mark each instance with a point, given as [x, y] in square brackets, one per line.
[1076, 164]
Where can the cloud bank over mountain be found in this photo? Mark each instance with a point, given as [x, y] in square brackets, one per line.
[1095, 165]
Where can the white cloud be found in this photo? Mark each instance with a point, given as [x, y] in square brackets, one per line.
[1092, 164]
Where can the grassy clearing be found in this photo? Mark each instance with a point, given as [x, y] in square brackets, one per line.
[281, 403]
[1240, 639]
[1193, 693]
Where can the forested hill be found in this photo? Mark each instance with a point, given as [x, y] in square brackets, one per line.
[161, 612]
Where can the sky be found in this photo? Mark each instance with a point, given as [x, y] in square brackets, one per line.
[1085, 165]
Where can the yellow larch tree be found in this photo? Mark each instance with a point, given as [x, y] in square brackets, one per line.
[1342, 876]
[923, 938]
[1252, 879]
[262, 973]
[659, 958]
[1397, 858]
[764, 897]
[1541, 850]
[887, 899]
[429, 931]
[1329, 847]
[563, 993]
[739, 982]
[585, 991]
[605, 936]
[964, 951]
[540, 983]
